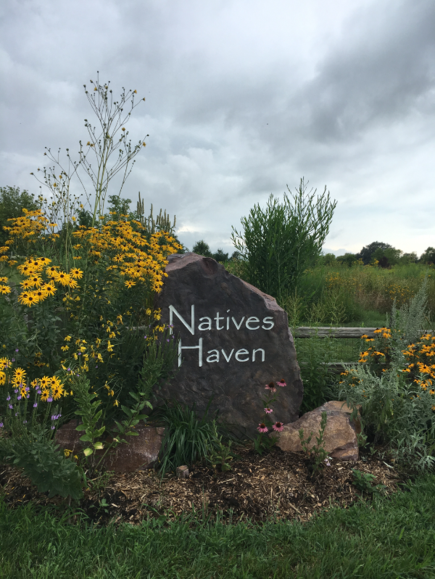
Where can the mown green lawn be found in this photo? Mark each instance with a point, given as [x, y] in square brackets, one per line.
[385, 538]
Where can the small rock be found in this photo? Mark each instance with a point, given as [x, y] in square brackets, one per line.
[182, 471]
[139, 453]
[340, 436]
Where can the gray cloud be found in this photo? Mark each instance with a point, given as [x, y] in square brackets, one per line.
[242, 99]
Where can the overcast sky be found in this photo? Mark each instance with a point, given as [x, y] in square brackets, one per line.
[243, 98]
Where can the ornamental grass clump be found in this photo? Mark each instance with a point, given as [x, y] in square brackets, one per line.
[393, 383]
[187, 439]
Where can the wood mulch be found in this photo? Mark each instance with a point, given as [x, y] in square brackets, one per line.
[276, 485]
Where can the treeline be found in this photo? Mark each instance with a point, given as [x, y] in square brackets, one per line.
[12, 202]
[381, 254]
[203, 248]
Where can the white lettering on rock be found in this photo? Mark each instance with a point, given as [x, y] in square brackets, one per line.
[198, 347]
[240, 353]
[268, 321]
[227, 358]
[251, 323]
[191, 328]
[213, 356]
[207, 324]
[263, 354]
[252, 320]
[240, 325]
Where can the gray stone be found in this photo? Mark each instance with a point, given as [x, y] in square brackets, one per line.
[340, 436]
[235, 339]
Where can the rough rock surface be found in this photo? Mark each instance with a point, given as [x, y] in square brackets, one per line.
[139, 454]
[235, 339]
[340, 435]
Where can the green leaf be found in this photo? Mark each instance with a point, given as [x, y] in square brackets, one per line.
[100, 431]
[135, 396]
[127, 410]
[80, 427]
[88, 451]
[98, 446]
[132, 433]
[86, 438]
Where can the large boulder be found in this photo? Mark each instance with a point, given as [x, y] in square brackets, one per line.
[234, 339]
[340, 436]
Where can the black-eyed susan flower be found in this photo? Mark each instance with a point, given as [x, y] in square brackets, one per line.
[76, 273]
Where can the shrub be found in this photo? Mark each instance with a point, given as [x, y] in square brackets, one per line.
[393, 384]
[279, 242]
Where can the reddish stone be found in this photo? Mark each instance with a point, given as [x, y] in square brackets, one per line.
[139, 453]
[340, 436]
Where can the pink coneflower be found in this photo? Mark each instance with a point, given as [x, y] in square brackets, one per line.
[278, 426]
[281, 383]
[262, 427]
[271, 387]
[268, 410]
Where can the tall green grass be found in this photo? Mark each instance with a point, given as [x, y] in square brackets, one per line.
[360, 294]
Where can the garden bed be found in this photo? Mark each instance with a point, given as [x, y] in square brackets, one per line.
[258, 488]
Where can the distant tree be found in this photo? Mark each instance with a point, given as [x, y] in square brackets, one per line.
[348, 259]
[327, 259]
[220, 256]
[236, 255]
[202, 248]
[12, 203]
[84, 218]
[367, 252]
[389, 256]
[118, 205]
[407, 258]
[384, 263]
[428, 256]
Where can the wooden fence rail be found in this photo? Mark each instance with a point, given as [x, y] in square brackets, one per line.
[326, 332]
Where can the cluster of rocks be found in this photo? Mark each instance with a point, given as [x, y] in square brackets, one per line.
[233, 340]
